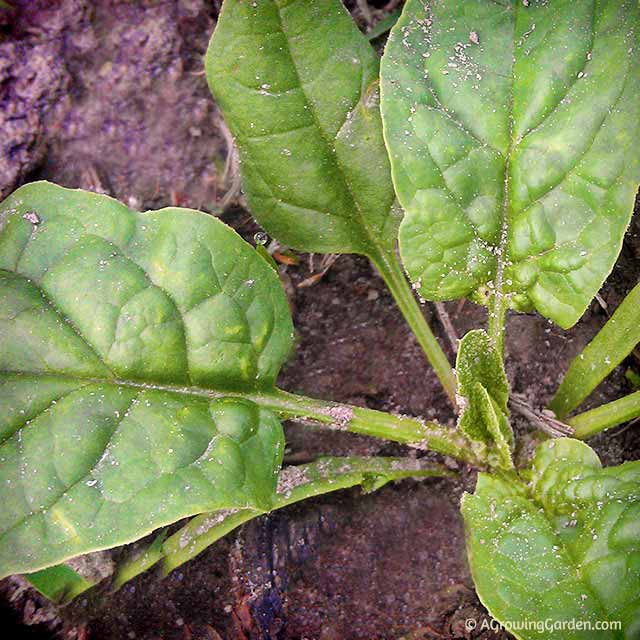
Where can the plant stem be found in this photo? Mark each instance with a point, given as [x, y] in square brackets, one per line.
[608, 415]
[394, 276]
[414, 432]
[611, 345]
[134, 566]
[411, 431]
[497, 317]
[294, 484]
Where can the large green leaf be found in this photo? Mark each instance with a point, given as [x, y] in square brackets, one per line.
[120, 335]
[298, 86]
[564, 548]
[512, 129]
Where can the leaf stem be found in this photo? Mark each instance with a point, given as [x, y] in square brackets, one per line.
[294, 484]
[611, 345]
[414, 432]
[496, 320]
[394, 277]
[608, 415]
[379, 424]
[140, 562]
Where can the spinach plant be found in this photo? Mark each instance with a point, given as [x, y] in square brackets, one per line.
[139, 351]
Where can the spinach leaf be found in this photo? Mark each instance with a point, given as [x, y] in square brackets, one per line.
[564, 547]
[512, 130]
[121, 334]
[298, 86]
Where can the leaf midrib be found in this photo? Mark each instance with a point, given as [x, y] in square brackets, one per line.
[501, 260]
[188, 390]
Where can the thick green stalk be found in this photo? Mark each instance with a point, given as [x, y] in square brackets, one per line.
[608, 415]
[294, 484]
[378, 424]
[497, 315]
[140, 562]
[611, 345]
[414, 432]
[394, 276]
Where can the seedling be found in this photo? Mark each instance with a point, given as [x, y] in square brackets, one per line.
[140, 350]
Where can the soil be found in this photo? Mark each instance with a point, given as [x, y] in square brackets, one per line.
[110, 96]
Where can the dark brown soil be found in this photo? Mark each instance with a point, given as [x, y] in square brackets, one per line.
[110, 96]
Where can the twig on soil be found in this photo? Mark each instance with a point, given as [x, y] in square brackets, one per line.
[447, 324]
[602, 303]
[390, 6]
[231, 173]
[365, 10]
[327, 262]
[541, 419]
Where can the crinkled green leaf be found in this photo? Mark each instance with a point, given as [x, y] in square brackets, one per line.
[298, 86]
[613, 343]
[512, 129]
[564, 547]
[483, 391]
[120, 335]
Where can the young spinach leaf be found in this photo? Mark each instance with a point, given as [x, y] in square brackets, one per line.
[564, 548]
[121, 333]
[512, 130]
[298, 86]
[613, 343]
[483, 389]
[306, 119]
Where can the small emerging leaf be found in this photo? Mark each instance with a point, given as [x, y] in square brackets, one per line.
[483, 392]
[564, 548]
[512, 130]
[121, 333]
